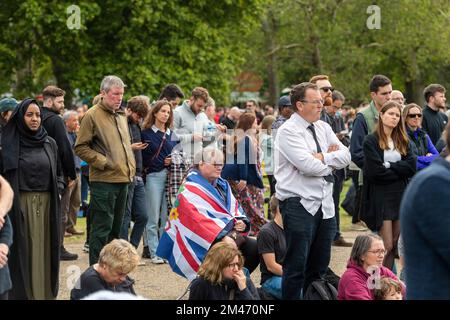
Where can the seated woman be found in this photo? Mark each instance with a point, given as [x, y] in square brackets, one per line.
[366, 261]
[221, 276]
[117, 259]
[423, 147]
[205, 212]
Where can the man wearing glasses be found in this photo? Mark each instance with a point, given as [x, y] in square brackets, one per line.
[306, 153]
[326, 90]
[397, 96]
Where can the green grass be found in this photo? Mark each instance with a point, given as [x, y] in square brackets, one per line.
[81, 225]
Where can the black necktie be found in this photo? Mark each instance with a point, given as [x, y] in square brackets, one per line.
[330, 177]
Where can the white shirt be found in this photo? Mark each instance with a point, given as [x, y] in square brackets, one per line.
[391, 155]
[298, 173]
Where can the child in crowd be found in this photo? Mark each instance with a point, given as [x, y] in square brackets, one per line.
[390, 289]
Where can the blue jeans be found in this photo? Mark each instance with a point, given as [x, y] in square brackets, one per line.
[136, 207]
[155, 192]
[308, 242]
[273, 286]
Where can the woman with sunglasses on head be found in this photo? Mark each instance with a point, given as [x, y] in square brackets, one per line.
[221, 276]
[389, 163]
[365, 264]
[424, 148]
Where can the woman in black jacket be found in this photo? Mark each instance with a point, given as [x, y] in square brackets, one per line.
[388, 165]
[29, 162]
[221, 276]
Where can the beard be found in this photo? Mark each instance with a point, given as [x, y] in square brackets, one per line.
[327, 101]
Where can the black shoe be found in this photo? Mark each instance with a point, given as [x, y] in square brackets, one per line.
[146, 253]
[66, 255]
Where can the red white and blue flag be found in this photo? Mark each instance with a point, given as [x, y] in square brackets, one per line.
[198, 217]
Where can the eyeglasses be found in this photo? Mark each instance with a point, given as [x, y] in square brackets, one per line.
[326, 89]
[380, 252]
[415, 115]
[234, 265]
[313, 102]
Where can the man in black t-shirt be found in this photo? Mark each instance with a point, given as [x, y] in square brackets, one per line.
[272, 250]
[117, 259]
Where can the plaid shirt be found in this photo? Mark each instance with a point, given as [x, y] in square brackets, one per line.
[178, 169]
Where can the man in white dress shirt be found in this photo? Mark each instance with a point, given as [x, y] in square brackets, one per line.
[306, 153]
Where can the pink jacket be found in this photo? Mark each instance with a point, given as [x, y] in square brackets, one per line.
[353, 283]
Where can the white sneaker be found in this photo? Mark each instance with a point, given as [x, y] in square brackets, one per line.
[157, 260]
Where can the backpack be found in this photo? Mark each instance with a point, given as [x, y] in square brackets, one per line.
[320, 290]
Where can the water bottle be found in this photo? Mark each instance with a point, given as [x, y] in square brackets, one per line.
[209, 132]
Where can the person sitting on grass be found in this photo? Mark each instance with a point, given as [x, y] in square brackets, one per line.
[222, 276]
[272, 249]
[363, 268]
[117, 259]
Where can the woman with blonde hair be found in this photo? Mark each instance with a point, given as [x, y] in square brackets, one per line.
[117, 259]
[388, 165]
[221, 276]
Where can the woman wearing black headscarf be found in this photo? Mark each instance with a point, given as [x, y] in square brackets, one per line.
[29, 161]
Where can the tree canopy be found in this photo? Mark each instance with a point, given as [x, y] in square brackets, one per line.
[149, 43]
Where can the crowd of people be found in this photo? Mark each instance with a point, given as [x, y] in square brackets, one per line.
[187, 179]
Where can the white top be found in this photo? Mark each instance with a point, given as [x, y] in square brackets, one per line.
[298, 173]
[391, 155]
[186, 123]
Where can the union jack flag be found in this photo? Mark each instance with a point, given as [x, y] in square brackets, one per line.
[199, 215]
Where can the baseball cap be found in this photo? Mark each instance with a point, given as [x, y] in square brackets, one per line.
[284, 101]
[7, 104]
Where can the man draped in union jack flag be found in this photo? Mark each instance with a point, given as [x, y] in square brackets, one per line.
[204, 213]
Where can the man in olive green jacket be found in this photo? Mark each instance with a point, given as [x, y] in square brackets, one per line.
[104, 143]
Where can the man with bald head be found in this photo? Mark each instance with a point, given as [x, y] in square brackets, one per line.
[232, 118]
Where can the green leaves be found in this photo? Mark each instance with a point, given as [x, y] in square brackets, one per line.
[148, 43]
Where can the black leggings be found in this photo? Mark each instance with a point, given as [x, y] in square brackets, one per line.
[249, 250]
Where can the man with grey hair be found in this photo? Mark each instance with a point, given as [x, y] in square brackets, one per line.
[71, 200]
[397, 96]
[104, 142]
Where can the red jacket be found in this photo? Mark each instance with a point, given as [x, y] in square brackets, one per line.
[353, 283]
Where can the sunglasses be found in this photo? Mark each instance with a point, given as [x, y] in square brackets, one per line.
[326, 89]
[416, 115]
